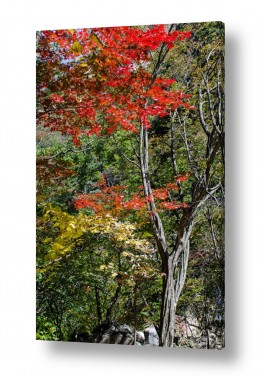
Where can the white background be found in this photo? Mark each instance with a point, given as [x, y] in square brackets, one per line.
[20, 354]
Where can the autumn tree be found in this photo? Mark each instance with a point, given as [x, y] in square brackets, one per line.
[107, 81]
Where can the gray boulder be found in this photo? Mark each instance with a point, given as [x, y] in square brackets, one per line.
[151, 336]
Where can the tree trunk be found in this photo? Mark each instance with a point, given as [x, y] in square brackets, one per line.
[167, 316]
[174, 268]
[176, 259]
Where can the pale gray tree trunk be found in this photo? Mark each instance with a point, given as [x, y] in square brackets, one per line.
[174, 261]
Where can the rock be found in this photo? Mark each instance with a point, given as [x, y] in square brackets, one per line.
[151, 336]
[118, 334]
[140, 337]
[212, 340]
[114, 333]
[80, 337]
[107, 332]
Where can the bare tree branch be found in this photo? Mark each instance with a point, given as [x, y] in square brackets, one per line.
[123, 154]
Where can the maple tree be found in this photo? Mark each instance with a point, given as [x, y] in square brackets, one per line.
[105, 78]
[105, 81]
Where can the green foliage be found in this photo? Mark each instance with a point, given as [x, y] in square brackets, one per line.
[45, 329]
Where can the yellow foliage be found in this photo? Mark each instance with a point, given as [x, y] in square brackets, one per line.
[72, 228]
[76, 47]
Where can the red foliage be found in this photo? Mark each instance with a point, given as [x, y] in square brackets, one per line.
[181, 178]
[110, 81]
[172, 205]
[56, 98]
[114, 199]
[136, 203]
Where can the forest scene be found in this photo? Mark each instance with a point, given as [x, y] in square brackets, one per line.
[130, 164]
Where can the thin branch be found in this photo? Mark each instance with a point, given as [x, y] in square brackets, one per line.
[211, 107]
[173, 156]
[56, 260]
[184, 136]
[123, 154]
[200, 108]
[161, 57]
[63, 152]
[211, 194]
[213, 235]
[134, 150]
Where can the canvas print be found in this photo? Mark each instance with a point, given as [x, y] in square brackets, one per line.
[130, 185]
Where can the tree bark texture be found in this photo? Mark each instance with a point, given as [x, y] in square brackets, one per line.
[167, 316]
